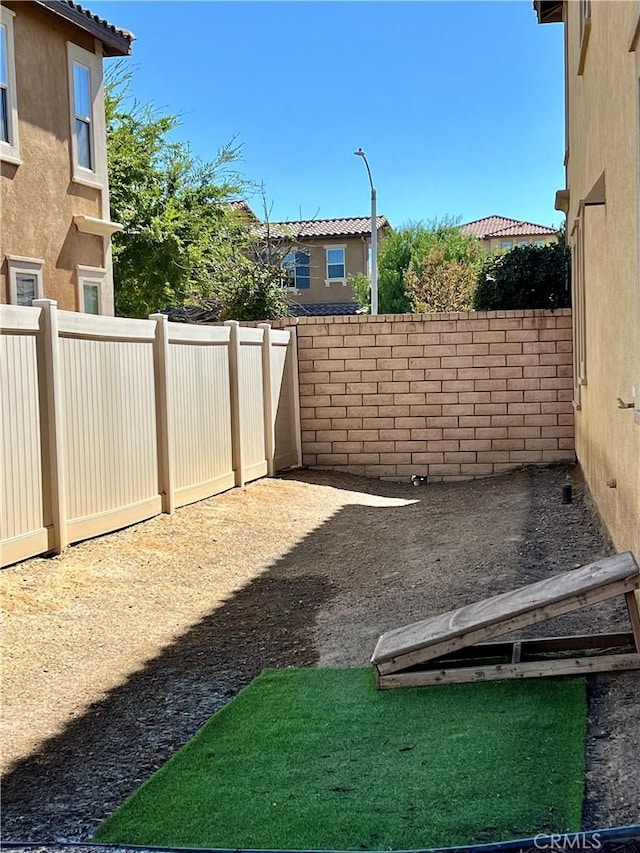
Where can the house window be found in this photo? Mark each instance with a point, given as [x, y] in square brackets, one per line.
[91, 282]
[88, 147]
[522, 243]
[9, 150]
[26, 288]
[25, 279]
[336, 265]
[540, 243]
[298, 269]
[82, 111]
[507, 244]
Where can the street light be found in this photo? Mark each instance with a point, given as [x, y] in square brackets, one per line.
[374, 236]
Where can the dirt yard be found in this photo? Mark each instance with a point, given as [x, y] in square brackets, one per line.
[119, 650]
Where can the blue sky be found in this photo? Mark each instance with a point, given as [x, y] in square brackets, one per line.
[458, 105]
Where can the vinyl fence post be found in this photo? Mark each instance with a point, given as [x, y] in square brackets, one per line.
[267, 394]
[163, 412]
[234, 387]
[54, 421]
[293, 353]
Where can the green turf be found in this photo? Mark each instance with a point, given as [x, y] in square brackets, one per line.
[318, 759]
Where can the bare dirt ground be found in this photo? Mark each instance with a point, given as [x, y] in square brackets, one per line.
[119, 650]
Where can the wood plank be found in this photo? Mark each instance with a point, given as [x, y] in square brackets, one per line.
[542, 645]
[507, 626]
[633, 606]
[528, 651]
[533, 669]
[506, 612]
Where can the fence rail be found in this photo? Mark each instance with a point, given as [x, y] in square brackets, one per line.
[106, 421]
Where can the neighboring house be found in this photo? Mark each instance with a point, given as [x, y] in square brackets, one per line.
[602, 203]
[499, 233]
[55, 240]
[319, 257]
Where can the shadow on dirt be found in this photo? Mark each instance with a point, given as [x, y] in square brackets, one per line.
[366, 569]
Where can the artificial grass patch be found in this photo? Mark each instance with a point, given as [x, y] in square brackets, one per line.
[319, 759]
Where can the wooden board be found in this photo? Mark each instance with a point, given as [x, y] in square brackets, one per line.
[431, 638]
[532, 669]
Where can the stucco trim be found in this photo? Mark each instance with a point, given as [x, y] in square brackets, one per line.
[91, 275]
[93, 225]
[562, 200]
[584, 44]
[635, 35]
[16, 265]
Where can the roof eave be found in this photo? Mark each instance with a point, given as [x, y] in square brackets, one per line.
[114, 43]
[548, 11]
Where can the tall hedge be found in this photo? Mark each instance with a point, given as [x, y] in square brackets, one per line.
[525, 277]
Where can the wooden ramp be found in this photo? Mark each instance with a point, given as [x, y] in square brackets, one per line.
[460, 645]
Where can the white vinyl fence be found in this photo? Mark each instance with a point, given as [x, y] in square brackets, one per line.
[106, 421]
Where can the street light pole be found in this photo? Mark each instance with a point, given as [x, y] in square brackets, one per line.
[374, 236]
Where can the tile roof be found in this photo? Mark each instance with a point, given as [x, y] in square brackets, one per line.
[327, 309]
[502, 226]
[116, 40]
[354, 226]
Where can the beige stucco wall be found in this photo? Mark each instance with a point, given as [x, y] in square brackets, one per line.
[494, 244]
[603, 136]
[38, 199]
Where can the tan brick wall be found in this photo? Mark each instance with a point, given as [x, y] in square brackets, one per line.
[449, 396]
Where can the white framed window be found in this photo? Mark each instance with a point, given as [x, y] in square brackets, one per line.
[86, 113]
[336, 265]
[9, 147]
[539, 243]
[507, 244]
[91, 289]
[25, 279]
[522, 243]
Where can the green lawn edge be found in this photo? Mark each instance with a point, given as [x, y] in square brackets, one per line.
[319, 759]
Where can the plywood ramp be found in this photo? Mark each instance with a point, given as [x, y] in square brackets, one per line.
[439, 649]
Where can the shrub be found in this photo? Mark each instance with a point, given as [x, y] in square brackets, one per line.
[361, 285]
[437, 283]
[525, 277]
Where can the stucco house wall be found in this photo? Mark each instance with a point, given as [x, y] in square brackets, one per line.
[356, 256]
[315, 238]
[39, 195]
[496, 244]
[602, 69]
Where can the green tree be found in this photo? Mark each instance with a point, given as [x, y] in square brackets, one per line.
[181, 242]
[427, 267]
[361, 284]
[526, 277]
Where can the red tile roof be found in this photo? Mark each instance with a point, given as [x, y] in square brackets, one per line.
[503, 226]
[117, 41]
[354, 226]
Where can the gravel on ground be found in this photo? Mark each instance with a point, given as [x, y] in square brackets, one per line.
[117, 651]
